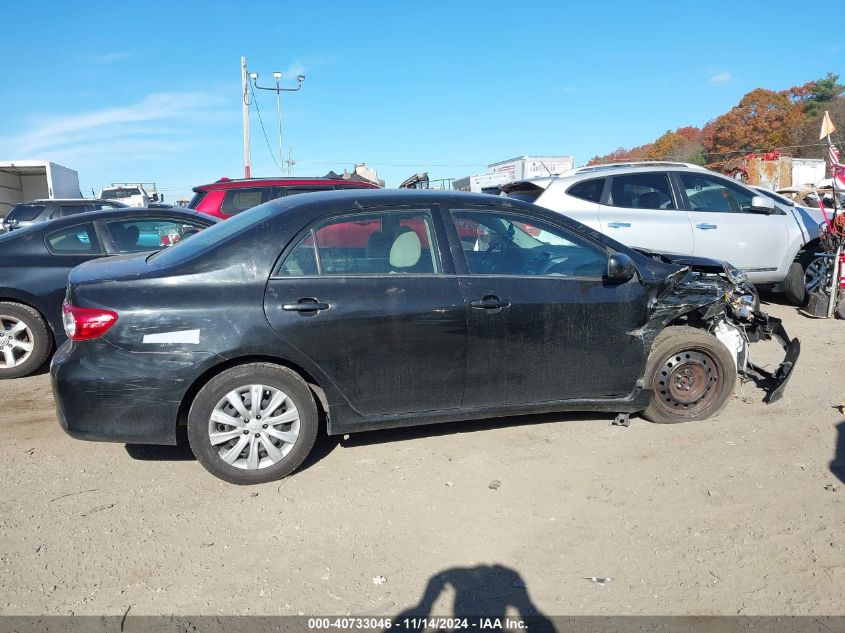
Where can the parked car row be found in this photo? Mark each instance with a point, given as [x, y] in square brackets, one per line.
[35, 261]
[681, 208]
[358, 309]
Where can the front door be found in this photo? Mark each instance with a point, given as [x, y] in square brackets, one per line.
[365, 298]
[725, 228]
[544, 325]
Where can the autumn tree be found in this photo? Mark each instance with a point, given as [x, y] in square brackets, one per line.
[684, 144]
[762, 120]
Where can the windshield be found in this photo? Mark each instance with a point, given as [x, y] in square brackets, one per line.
[212, 236]
[776, 197]
[25, 212]
[120, 193]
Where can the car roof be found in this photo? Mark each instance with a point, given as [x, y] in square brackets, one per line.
[128, 212]
[609, 169]
[79, 200]
[237, 183]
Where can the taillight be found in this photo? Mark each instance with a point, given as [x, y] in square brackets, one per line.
[86, 323]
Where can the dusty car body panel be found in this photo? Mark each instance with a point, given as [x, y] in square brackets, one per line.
[190, 312]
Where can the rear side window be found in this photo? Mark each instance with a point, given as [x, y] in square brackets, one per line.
[292, 191]
[67, 210]
[589, 190]
[80, 239]
[641, 191]
[390, 242]
[25, 212]
[238, 200]
[133, 236]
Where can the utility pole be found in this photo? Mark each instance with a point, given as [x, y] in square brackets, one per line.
[278, 90]
[245, 99]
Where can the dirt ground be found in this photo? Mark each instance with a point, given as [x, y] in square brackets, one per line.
[741, 514]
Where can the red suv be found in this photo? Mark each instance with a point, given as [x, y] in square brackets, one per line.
[226, 197]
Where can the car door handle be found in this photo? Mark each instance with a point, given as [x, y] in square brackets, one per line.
[706, 227]
[619, 225]
[489, 302]
[305, 305]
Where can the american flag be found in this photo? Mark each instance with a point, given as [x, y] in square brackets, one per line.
[837, 169]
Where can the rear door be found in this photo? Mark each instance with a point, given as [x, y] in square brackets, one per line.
[544, 325]
[725, 228]
[641, 210]
[367, 298]
[67, 247]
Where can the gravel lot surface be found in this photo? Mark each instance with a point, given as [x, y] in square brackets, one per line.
[564, 514]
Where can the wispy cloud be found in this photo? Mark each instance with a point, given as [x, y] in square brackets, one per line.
[302, 66]
[51, 132]
[158, 124]
[720, 78]
[110, 58]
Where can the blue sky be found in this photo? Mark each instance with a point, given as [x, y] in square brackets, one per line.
[126, 92]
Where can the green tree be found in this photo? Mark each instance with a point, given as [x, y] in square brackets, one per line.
[822, 91]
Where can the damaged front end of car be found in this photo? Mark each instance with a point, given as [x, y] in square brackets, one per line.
[717, 297]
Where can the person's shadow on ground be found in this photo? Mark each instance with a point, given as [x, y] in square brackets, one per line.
[837, 466]
[480, 592]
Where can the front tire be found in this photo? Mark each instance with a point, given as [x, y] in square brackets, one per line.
[794, 288]
[253, 423]
[692, 375]
[25, 340]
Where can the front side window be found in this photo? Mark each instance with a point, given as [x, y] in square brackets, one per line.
[75, 240]
[238, 200]
[134, 236]
[510, 244]
[641, 191]
[25, 212]
[706, 193]
[386, 242]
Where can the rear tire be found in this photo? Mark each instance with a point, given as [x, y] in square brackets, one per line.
[25, 340]
[228, 435]
[692, 375]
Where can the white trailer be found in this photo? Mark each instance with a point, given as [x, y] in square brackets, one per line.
[519, 168]
[22, 180]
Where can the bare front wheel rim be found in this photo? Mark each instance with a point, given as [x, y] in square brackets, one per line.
[254, 426]
[686, 383]
[16, 342]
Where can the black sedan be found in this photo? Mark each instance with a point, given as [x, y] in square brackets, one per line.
[365, 310]
[35, 261]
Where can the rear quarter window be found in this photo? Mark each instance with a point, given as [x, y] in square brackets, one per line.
[25, 212]
[589, 190]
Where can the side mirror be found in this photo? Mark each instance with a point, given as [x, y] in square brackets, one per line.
[620, 267]
[762, 204]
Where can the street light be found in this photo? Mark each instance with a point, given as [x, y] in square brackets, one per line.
[278, 90]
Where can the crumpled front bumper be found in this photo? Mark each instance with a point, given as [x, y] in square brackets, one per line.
[774, 383]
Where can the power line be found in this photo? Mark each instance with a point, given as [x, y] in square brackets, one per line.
[261, 121]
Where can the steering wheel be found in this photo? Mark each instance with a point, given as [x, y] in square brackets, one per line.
[494, 256]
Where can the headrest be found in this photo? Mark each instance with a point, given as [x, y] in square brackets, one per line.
[406, 250]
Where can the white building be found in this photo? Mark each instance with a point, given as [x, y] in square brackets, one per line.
[514, 169]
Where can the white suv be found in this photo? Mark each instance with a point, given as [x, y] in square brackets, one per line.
[689, 210]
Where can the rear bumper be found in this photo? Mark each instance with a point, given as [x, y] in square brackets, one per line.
[102, 401]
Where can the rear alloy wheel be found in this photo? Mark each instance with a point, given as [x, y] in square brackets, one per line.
[253, 423]
[692, 375]
[24, 340]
